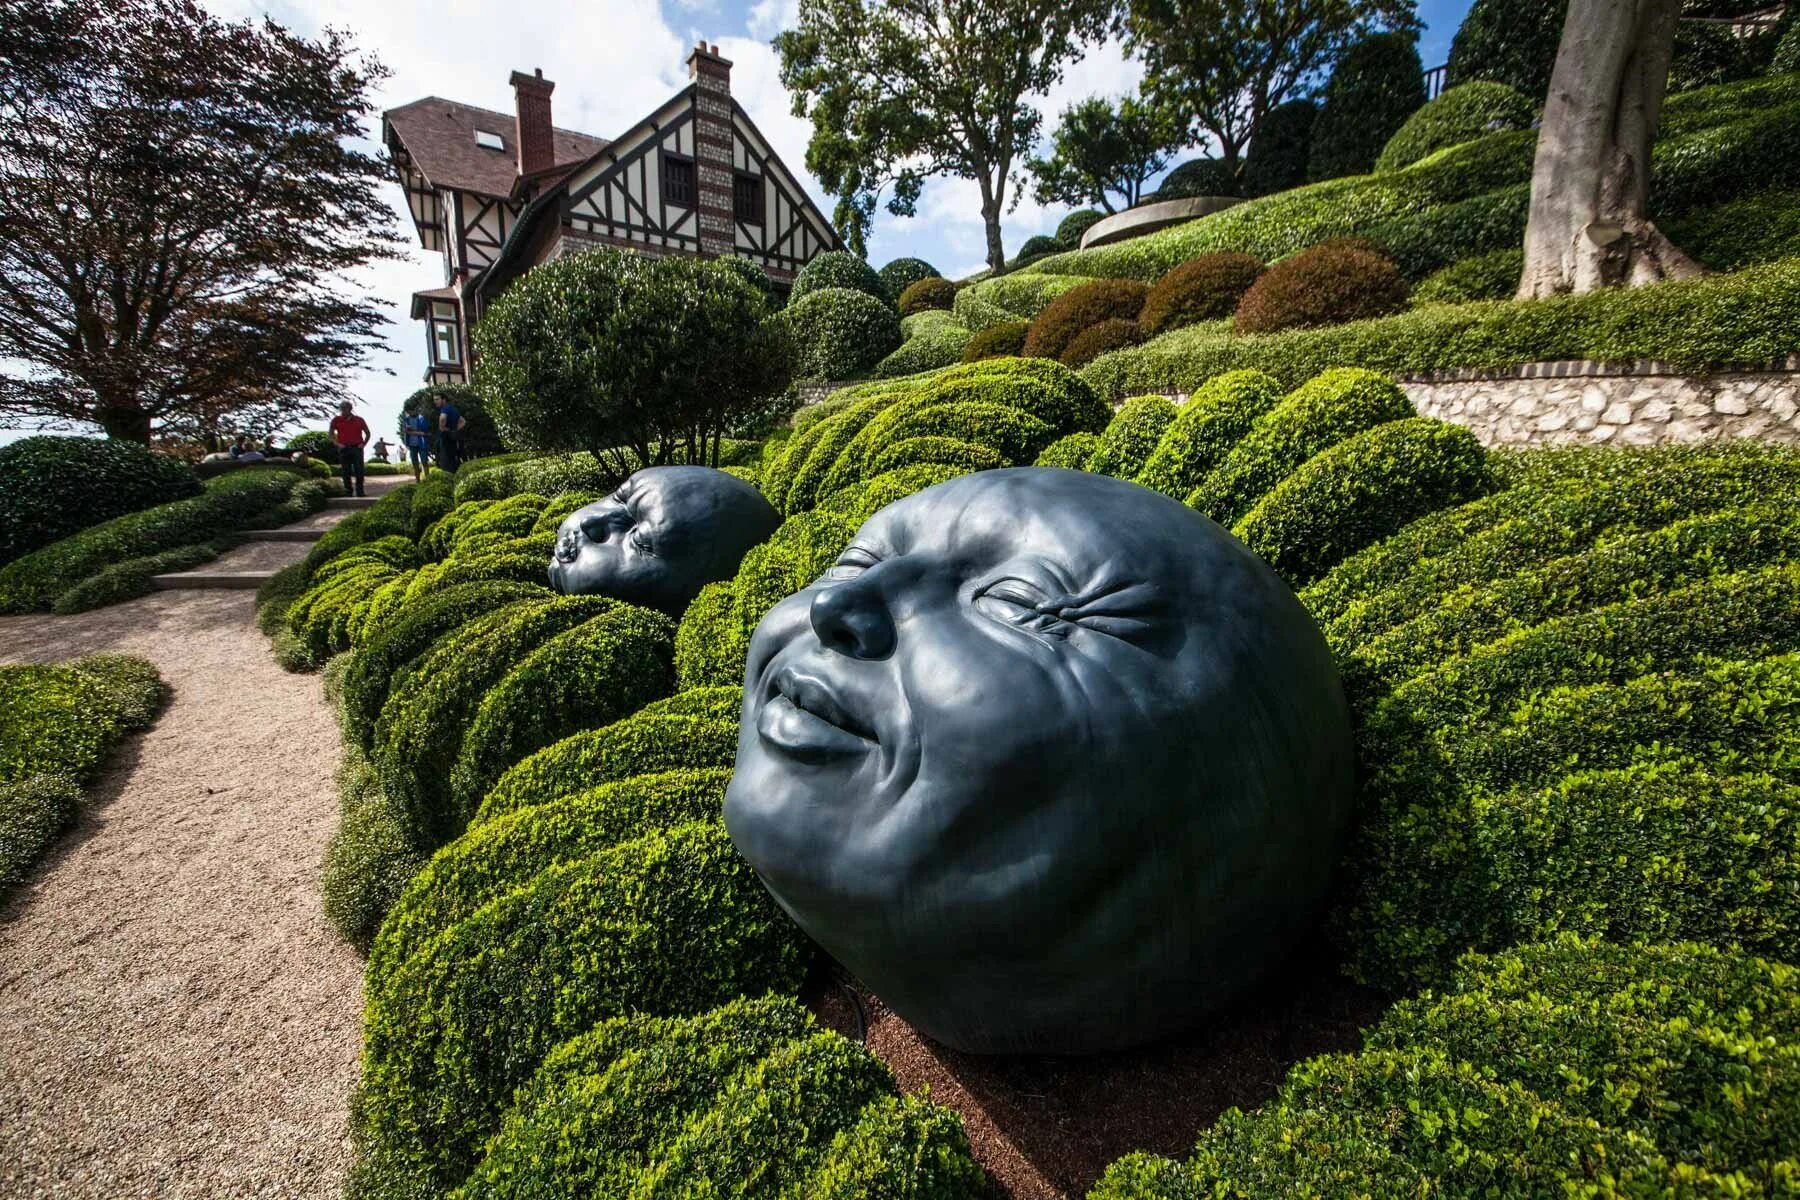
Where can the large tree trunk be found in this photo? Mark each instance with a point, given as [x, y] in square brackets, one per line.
[127, 423]
[1589, 224]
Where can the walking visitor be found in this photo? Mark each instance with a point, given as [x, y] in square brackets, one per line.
[350, 433]
[450, 427]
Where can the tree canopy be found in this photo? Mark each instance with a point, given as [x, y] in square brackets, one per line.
[1099, 149]
[899, 91]
[180, 198]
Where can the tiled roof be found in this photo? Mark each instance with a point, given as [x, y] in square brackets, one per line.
[440, 136]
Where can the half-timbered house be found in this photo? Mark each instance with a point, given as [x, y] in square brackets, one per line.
[497, 195]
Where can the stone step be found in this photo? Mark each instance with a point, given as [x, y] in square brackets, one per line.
[351, 502]
[288, 534]
[236, 580]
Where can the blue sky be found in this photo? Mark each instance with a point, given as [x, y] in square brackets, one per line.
[613, 61]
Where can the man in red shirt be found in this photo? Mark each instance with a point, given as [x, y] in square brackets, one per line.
[350, 433]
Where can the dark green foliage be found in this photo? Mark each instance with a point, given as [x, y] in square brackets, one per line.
[1035, 247]
[670, 923]
[1207, 288]
[1276, 160]
[1115, 333]
[1131, 437]
[840, 333]
[480, 436]
[1739, 233]
[1376, 85]
[1492, 276]
[945, 451]
[900, 1146]
[241, 500]
[1070, 453]
[52, 486]
[1195, 177]
[372, 853]
[324, 616]
[1080, 308]
[839, 269]
[1014, 433]
[1787, 51]
[1205, 430]
[1070, 230]
[314, 443]
[1706, 55]
[690, 730]
[922, 294]
[1509, 41]
[1460, 114]
[901, 274]
[275, 595]
[1328, 284]
[594, 674]
[34, 812]
[1005, 340]
[130, 579]
[933, 341]
[1361, 490]
[1321, 413]
[1000, 299]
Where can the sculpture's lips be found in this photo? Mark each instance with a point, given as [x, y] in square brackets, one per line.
[802, 717]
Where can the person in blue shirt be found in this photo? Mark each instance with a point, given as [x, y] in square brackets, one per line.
[450, 427]
[417, 428]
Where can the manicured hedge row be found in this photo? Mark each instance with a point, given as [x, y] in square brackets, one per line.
[933, 339]
[372, 853]
[34, 813]
[1213, 420]
[1131, 437]
[51, 487]
[1750, 316]
[1070, 453]
[242, 500]
[131, 578]
[1008, 299]
[1569, 1068]
[670, 923]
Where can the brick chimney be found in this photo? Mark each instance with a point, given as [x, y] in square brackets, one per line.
[712, 148]
[531, 101]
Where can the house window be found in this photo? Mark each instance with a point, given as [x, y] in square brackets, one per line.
[747, 198]
[489, 141]
[678, 180]
[446, 346]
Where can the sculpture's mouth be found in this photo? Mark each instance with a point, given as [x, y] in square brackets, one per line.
[802, 716]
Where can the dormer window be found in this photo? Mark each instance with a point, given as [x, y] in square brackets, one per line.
[489, 141]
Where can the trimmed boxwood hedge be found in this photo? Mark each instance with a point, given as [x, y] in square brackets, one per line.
[1009, 298]
[51, 487]
[1459, 114]
[372, 853]
[944, 451]
[1338, 280]
[1212, 421]
[902, 273]
[1005, 340]
[1102, 338]
[1131, 437]
[1071, 452]
[132, 578]
[34, 813]
[839, 270]
[1361, 490]
[927, 295]
[669, 924]
[1492, 276]
[838, 333]
[940, 344]
[1078, 309]
[1206, 288]
[1313, 417]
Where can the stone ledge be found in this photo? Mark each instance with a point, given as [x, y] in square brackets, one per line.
[1581, 368]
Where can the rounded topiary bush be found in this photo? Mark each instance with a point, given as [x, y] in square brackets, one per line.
[839, 269]
[1080, 308]
[947, 451]
[1131, 437]
[1070, 229]
[1484, 277]
[929, 293]
[1195, 177]
[840, 333]
[1787, 50]
[1071, 452]
[1509, 41]
[1374, 87]
[1276, 160]
[1461, 114]
[1103, 338]
[51, 487]
[1206, 288]
[314, 443]
[1206, 428]
[1036, 247]
[901, 274]
[1005, 340]
[1330, 283]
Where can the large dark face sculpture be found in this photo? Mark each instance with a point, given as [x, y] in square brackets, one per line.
[662, 536]
[1051, 762]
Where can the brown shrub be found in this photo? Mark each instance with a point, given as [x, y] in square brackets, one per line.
[928, 293]
[1078, 308]
[1207, 288]
[1327, 284]
[1112, 334]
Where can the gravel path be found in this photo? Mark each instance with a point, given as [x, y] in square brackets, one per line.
[176, 1018]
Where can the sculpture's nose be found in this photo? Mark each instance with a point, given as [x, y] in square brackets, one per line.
[852, 618]
[603, 524]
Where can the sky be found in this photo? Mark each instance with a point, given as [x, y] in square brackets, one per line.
[613, 61]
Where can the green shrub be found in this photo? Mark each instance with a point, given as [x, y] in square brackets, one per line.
[667, 924]
[64, 719]
[839, 270]
[1509, 41]
[594, 674]
[546, 475]
[1008, 298]
[901, 274]
[34, 813]
[1333, 282]
[1131, 437]
[51, 487]
[1276, 160]
[1103, 338]
[241, 500]
[944, 451]
[1787, 50]
[691, 730]
[1013, 432]
[322, 617]
[276, 594]
[924, 295]
[1071, 452]
[858, 503]
[1744, 317]
[1492, 276]
[794, 481]
[1361, 490]
[1376, 84]
[1213, 420]
[372, 853]
[1006, 340]
[1071, 228]
[1460, 114]
[314, 443]
[899, 1146]
[1195, 177]
[941, 345]
[1207, 288]
[1706, 54]
[1035, 247]
[131, 578]
[1080, 308]
[1744, 232]
[1314, 417]
[839, 333]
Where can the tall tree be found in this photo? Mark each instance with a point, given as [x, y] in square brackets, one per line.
[1589, 224]
[1226, 63]
[178, 201]
[902, 90]
[1098, 149]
